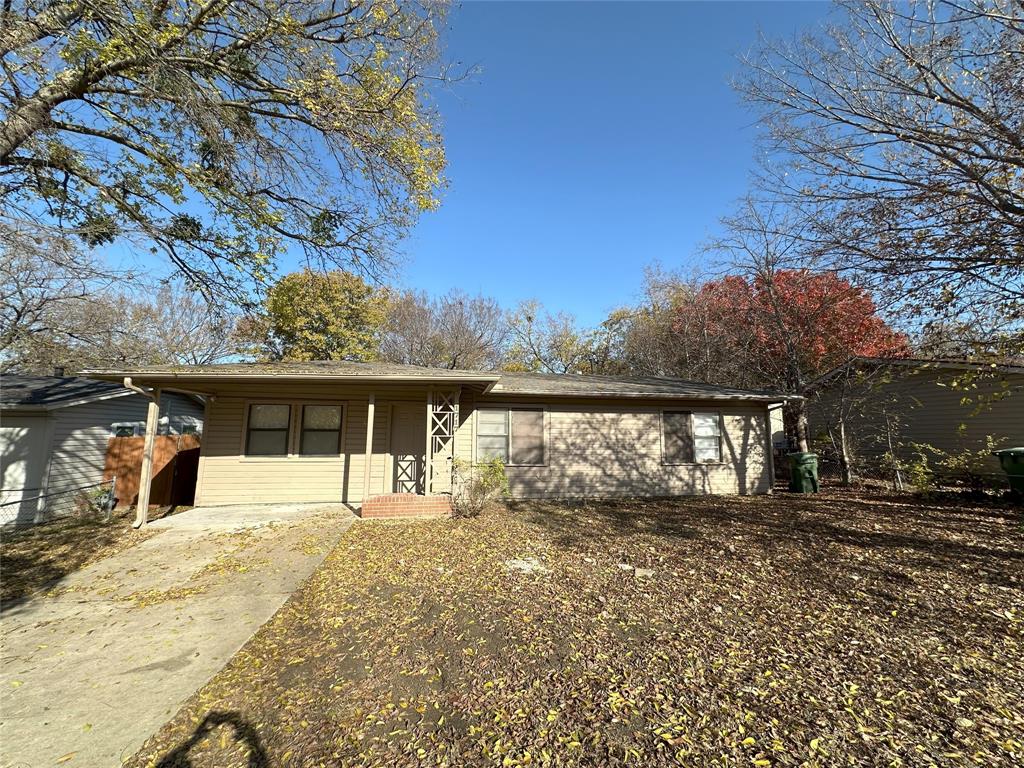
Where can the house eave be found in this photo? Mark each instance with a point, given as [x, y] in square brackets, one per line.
[184, 377]
[47, 407]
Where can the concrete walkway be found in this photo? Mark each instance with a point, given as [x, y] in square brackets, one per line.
[95, 667]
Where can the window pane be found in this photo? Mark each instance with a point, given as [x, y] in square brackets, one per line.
[268, 443]
[707, 449]
[705, 424]
[527, 437]
[492, 422]
[491, 447]
[320, 443]
[677, 438]
[269, 416]
[321, 417]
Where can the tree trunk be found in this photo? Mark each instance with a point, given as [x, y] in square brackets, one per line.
[845, 468]
[795, 418]
[33, 114]
[803, 441]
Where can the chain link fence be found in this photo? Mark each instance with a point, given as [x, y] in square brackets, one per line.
[94, 500]
[908, 471]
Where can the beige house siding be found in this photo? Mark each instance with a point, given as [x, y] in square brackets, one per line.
[227, 476]
[613, 449]
[598, 449]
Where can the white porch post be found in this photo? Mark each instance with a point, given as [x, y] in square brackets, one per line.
[146, 474]
[369, 446]
[428, 455]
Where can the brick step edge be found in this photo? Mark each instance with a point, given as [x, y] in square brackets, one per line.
[406, 505]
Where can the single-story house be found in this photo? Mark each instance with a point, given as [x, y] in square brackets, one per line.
[329, 431]
[54, 432]
[951, 405]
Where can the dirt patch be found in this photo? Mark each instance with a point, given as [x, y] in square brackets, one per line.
[730, 631]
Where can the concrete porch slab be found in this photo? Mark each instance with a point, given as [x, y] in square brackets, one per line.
[237, 517]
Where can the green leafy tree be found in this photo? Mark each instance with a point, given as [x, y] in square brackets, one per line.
[312, 315]
[549, 343]
[221, 133]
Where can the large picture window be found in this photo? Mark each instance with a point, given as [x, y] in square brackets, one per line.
[514, 435]
[689, 437]
[321, 430]
[267, 430]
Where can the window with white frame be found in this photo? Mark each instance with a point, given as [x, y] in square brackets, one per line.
[267, 430]
[514, 435]
[690, 437]
[707, 438]
[321, 430]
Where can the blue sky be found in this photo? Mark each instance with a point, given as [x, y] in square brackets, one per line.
[596, 138]
[593, 139]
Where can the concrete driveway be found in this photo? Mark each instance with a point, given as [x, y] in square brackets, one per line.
[96, 666]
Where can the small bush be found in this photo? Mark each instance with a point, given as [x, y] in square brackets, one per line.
[93, 504]
[918, 471]
[966, 469]
[477, 486]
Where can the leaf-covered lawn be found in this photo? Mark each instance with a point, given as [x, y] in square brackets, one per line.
[34, 559]
[772, 631]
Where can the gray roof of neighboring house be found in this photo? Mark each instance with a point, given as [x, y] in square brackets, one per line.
[493, 382]
[49, 392]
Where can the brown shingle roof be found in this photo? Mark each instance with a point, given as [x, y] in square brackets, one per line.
[497, 382]
[578, 385]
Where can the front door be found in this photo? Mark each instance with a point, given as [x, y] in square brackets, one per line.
[408, 445]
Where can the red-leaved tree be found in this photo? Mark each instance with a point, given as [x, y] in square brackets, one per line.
[780, 328]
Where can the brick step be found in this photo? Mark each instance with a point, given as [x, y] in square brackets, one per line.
[406, 505]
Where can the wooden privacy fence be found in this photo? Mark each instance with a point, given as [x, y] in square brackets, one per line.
[175, 467]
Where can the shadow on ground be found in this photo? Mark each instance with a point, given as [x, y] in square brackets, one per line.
[242, 732]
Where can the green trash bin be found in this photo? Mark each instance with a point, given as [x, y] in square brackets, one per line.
[1012, 460]
[803, 472]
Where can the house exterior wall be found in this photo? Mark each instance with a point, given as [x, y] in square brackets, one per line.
[930, 410]
[23, 451]
[593, 448]
[609, 448]
[227, 476]
[74, 442]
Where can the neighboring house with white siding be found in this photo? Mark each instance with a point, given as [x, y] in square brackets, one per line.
[382, 433]
[54, 432]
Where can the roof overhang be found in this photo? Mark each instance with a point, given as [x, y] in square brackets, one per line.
[56, 406]
[200, 382]
[681, 396]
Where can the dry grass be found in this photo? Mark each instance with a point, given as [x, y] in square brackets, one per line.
[35, 559]
[773, 631]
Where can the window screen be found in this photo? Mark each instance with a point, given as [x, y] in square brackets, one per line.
[707, 437]
[321, 430]
[515, 436]
[267, 430]
[492, 435]
[677, 437]
[527, 437]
